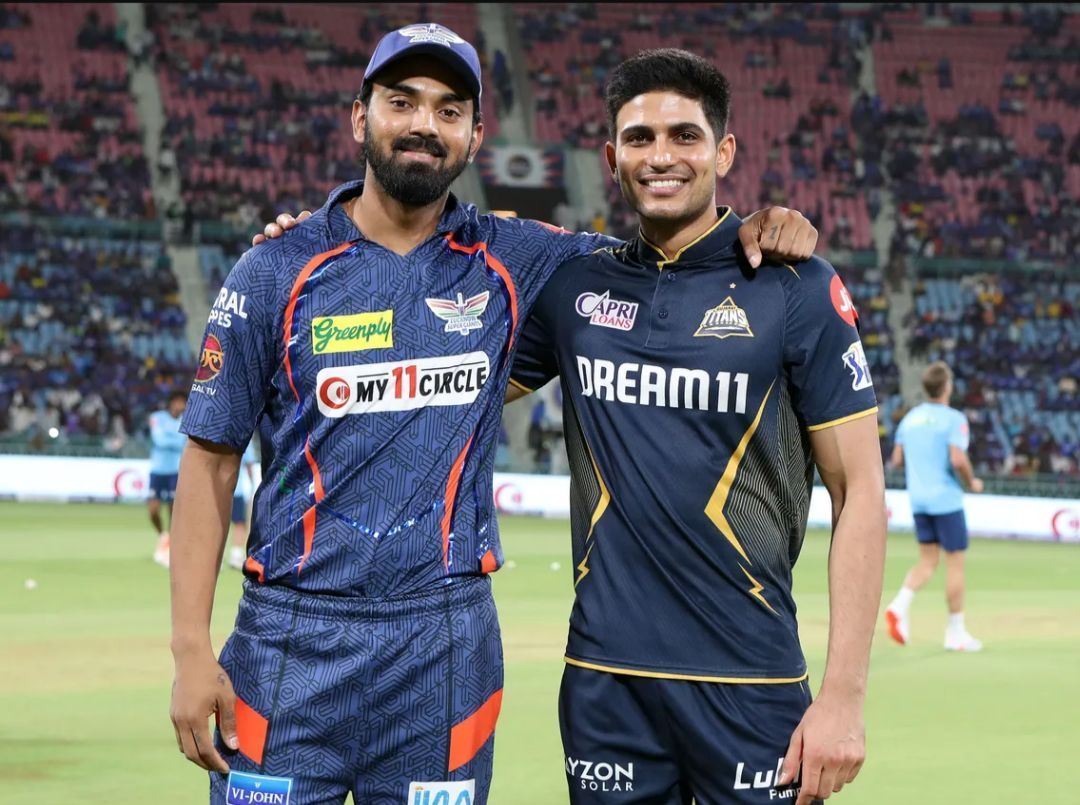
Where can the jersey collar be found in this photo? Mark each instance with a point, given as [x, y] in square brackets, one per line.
[340, 227]
[721, 236]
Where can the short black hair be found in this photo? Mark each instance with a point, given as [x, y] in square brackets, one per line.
[365, 98]
[177, 394]
[673, 70]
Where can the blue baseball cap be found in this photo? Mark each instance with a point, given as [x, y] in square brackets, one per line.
[430, 39]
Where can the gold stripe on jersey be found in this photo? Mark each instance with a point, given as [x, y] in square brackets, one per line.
[757, 589]
[589, 495]
[665, 261]
[714, 509]
[605, 496]
[521, 386]
[833, 423]
[598, 512]
[729, 680]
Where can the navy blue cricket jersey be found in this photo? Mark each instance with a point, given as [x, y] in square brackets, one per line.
[377, 384]
[690, 387]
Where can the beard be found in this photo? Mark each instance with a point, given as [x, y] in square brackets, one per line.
[413, 184]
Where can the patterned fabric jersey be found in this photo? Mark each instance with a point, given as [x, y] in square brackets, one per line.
[690, 387]
[376, 382]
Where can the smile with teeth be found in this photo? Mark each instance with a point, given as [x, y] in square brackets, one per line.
[665, 182]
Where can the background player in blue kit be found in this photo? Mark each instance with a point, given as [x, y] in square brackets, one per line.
[166, 445]
[697, 397]
[374, 354]
[931, 445]
[246, 482]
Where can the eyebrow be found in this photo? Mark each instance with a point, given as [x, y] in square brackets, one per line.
[406, 89]
[646, 130]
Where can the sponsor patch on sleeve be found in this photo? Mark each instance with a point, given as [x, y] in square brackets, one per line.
[841, 301]
[855, 361]
[211, 360]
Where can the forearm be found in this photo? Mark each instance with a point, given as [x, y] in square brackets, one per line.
[856, 566]
[197, 538]
[964, 470]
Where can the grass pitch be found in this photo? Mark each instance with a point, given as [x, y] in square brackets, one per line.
[85, 669]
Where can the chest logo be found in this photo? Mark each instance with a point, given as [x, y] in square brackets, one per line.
[461, 316]
[352, 333]
[725, 320]
[602, 310]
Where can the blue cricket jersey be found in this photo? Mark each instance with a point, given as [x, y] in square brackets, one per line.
[925, 433]
[689, 390]
[377, 383]
[166, 443]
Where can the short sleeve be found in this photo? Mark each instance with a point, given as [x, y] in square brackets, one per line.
[959, 432]
[237, 359]
[830, 376]
[536, 361]
[530, 251]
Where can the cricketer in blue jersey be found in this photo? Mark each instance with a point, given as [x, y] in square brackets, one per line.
[371, 347]
[166, 445]
[698, 395]
[931, 445]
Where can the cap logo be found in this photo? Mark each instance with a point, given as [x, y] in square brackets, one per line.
[431, 33]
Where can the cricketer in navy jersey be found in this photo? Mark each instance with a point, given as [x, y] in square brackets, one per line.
[690, 386]
[379, 379]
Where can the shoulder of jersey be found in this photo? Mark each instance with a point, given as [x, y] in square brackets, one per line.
[814, 269]
[293, 249]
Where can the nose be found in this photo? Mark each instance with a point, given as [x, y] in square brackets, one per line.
[423, 122]
[660, 156]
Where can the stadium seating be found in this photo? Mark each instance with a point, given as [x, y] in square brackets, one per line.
[69, 134]
[968, 117]
[91, 333]
[258, 98]
[791, 97]
[1014, 341]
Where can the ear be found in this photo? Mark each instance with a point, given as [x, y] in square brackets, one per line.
[725, 155]
[609, 155]
[477, 141]
[359, 117]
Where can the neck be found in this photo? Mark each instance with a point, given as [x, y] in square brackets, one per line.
[388, 222]
[671, 236]
[940, 400]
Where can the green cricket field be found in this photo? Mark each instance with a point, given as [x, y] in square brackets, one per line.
[85, 668]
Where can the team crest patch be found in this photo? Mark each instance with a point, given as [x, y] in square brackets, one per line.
[462, 316]
[725, 320]
[855, 361]
[257, 789]
[601, 309]
[210, 361]
[459, 793]
[432, 32]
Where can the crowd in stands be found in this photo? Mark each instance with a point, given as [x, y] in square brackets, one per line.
[69, 137]
[965, 146]
[791, 73]
[257, 98]
[1013, 338]
[91, 334]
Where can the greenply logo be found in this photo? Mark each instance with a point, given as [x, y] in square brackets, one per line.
[352, 333]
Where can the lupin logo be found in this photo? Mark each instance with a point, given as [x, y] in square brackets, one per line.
[459, 793]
